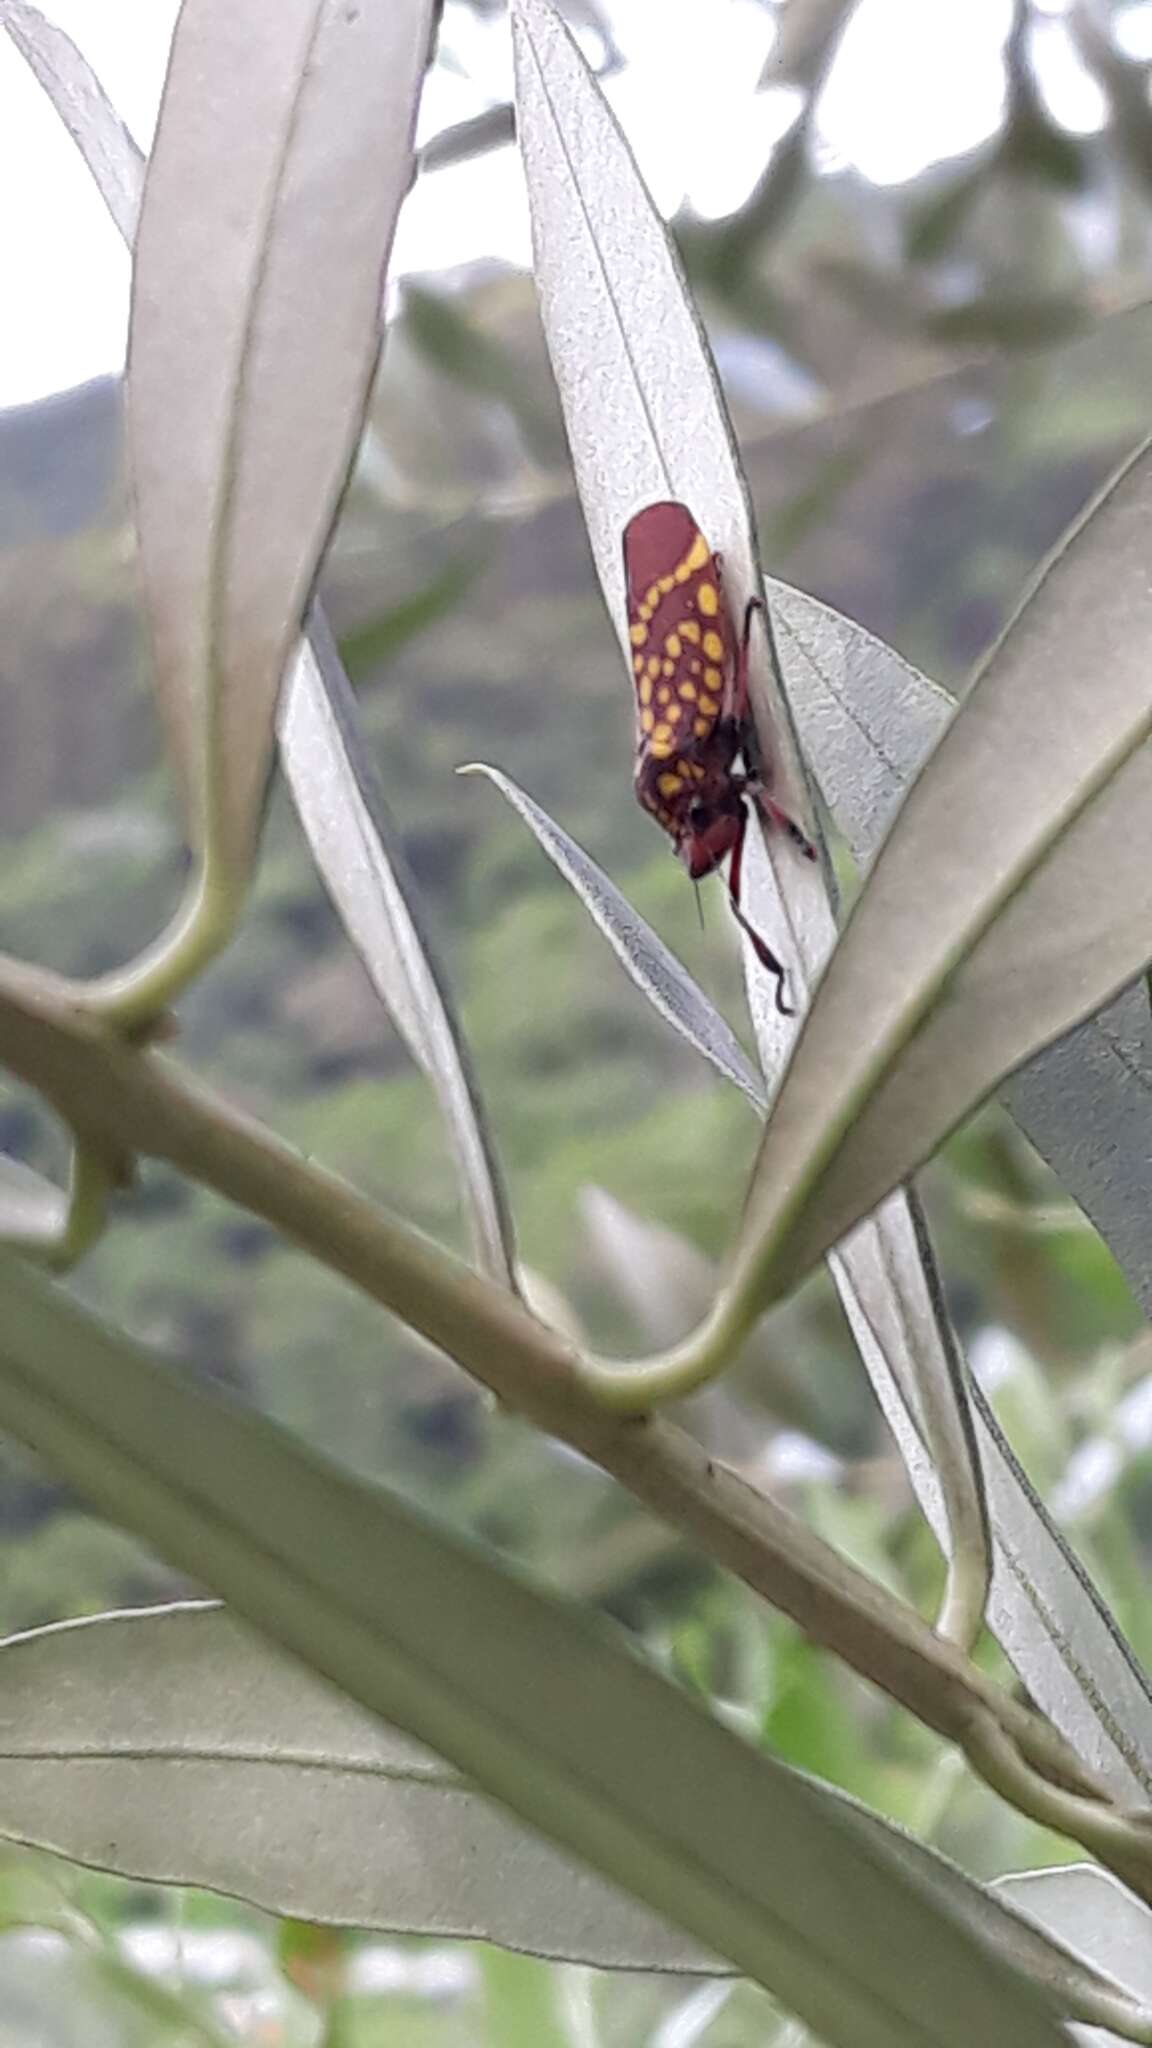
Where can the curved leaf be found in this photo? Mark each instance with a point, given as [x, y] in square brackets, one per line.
[867, 720]
[1012, 896]
[334, 786]
[173, 1740]
[172, 1744]
[545, 1709]
[664, 980]
[112, 156]
[283, 151]
[325, 758]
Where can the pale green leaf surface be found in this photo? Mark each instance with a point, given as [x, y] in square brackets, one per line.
[283, 152]
[646, 420]
[329, 770]
[543, 1708]
[1013, 896]
[174, 1738]
[172, 1744]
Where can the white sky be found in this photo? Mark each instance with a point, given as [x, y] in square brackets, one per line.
[916, 80]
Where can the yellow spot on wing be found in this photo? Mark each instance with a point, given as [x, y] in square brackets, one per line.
[669, 785]
[701, 726]
[672, 646]
[653, 664]
[698, 554]
[645, 690]
[652, 596]
[713, 645]
[638, 633]
[647, 720]
[668, 668]
[690, 631]
[666, 583]
[661, 735]
[707, 599]
[709, 705]
[712, 679]
[663, 694]
[688, 692]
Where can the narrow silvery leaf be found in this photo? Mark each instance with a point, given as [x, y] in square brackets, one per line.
[324, 755]
[283, 152]
[644, 414]
[1013, 896]
[885, 1275]
[93, 123]
[667, 984]
[329, 770]
[646, 420]
[173, 1739]
[536, 1702]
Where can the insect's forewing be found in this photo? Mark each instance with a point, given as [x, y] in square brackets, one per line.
[680, 638]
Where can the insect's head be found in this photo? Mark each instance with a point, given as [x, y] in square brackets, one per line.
[709, 833]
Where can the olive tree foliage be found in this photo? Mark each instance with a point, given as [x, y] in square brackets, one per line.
[487, 1760]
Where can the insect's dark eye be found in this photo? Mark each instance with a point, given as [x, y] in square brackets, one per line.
[698, 811]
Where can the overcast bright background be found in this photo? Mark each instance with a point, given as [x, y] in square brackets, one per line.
[690, 106]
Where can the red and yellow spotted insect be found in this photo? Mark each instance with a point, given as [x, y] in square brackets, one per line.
[693, 722]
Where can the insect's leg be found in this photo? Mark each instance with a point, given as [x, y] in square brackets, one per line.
[763, 952]
[736, 708]
[775, 816]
